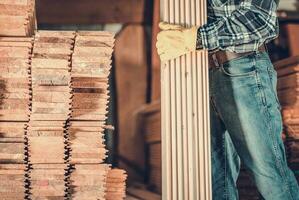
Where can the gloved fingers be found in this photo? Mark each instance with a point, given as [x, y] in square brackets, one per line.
[160, 51]
[163, 34]
[171, 54]
[167, 56]
[164, 48]
[170, 37]
[168, 26]
[161, 45]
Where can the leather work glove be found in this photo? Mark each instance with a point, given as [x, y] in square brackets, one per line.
[174, 41]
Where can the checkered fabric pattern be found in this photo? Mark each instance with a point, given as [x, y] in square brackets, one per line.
[238, 25]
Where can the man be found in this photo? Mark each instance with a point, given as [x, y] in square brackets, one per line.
[246, 123]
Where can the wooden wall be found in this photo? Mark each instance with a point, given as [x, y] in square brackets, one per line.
[93, 11]
[155, 67]
[131, 85]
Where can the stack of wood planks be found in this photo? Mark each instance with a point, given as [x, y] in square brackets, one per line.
[150, 127]
[17, 17]
[288, 93]
[15, 58]
[91, 63]
[186, 171]
[69, 105]
[51, 108]
[53, 105]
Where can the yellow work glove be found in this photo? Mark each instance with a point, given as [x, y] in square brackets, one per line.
[174, 41]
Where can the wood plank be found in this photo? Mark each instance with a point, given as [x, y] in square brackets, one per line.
[186, 158]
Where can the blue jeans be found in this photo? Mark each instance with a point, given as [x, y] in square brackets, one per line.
[246, 127]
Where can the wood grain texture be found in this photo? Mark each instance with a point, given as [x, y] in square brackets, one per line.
[186, 162]
[53, 117]
[17, 18]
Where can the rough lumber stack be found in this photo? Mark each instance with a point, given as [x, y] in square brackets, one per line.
[17, 17]
[288, 93]
[47, 181]
[15, 83]
[186, 170]
[88, 181]
[15, 59]
[53, 106]
[150, 127]
[90, 69]
[115, 184]
[12, 181]
[91, 63]
[51, 96]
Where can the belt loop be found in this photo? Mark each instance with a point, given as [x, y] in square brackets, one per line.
[215, 60]
[266, 48]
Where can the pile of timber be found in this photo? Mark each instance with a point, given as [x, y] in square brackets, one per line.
[150, 126]
[51, 109]
[53, 106]
[15, 58]
[91, 63]
[288, 93]
[17, 17]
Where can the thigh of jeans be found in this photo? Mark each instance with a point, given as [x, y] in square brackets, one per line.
[245, 97]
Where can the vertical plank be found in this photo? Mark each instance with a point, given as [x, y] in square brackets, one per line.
[165, 112]
[189, 140]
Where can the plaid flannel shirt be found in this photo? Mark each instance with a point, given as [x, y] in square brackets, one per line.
[238, 25]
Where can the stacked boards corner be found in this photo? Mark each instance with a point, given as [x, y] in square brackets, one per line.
[186, 167]
[53, 106]
[17, 17]
[288, 94]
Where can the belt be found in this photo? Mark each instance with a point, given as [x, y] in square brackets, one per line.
[218, 58]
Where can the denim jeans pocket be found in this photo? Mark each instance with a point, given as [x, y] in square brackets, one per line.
[240, 67]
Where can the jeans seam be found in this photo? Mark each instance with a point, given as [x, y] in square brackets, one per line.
[278, 160]
[260, 89]
[225, 172]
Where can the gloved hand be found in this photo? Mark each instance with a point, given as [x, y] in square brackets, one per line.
[174, 41]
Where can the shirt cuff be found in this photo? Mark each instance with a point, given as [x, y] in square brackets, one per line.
[198, 41]
[209, 38]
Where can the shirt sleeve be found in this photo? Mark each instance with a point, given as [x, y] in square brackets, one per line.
[253, 21]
